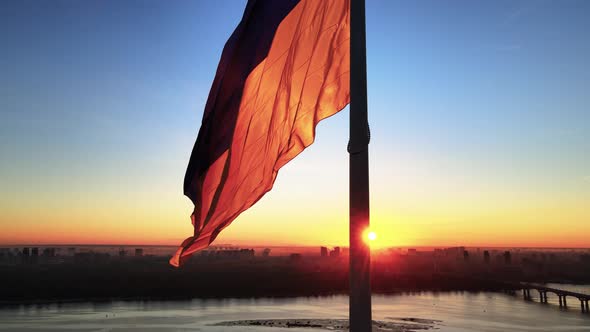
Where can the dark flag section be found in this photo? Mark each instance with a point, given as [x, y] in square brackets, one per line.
[247, 47]
[285, 68]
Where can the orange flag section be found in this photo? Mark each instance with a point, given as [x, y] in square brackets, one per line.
[304, 79]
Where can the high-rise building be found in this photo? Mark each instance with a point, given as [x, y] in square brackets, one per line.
[323, 252]
[486, 256]
[335, 252]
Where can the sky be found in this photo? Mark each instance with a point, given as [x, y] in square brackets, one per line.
[479, 115]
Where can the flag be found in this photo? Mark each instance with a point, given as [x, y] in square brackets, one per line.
[285, 68]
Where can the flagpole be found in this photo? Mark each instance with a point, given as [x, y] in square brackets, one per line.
[360, 255]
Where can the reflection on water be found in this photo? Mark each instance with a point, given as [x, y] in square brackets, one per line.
[458, 311]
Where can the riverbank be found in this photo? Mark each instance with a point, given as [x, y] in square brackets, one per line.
[154, 279]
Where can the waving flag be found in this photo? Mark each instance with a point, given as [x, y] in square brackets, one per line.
[285, 68]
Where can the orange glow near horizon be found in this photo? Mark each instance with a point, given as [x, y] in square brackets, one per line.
[290, 215]
[264, 226]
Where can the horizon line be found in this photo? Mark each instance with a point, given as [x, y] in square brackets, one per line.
[276, 246]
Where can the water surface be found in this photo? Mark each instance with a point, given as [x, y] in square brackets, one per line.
[460, 311]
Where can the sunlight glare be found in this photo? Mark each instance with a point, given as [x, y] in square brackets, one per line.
[372, 236]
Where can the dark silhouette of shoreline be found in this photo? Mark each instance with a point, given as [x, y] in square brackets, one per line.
[241, 274]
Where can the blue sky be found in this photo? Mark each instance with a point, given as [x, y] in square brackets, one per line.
[479, 113]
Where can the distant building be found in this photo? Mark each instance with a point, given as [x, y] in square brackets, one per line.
[26, 252]
[49, 252]
[465, 255]
[295, 257]
[266, 252]
[335, 252]
[507, 258]
[122, 252]
[454, 251]
[412, 252]
[230, 252]
[247, 252]
[486, 256]
[138, 252]
[323, 252]
[35, 252]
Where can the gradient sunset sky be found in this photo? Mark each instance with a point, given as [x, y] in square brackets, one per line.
[479, 112]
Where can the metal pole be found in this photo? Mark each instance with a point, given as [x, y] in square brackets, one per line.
[360, 255]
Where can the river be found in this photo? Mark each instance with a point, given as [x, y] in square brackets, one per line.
[457, 311]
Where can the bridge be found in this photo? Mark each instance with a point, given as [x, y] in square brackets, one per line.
[512, 286]
[560, 293]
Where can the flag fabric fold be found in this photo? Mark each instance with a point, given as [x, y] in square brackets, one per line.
[284, 69]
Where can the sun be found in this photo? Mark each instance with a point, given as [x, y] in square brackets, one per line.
[370, 237]
[373, 239]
